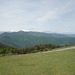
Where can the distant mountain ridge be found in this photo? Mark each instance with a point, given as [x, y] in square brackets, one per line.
[39, 34]
[23, 39]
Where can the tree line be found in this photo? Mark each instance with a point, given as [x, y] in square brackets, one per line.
[37, 48]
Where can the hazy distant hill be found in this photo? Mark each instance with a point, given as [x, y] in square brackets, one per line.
[42, 34]
[25, 39]
[1, 32]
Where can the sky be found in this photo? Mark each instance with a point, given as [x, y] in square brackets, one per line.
[53, 16]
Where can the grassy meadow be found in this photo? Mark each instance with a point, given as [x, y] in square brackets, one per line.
[52, 63]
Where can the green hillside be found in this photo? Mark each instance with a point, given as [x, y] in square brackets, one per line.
[2, 46]
[6, 49]
[26, 39]
[52, 63]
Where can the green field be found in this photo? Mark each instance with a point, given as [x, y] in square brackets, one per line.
[52, 63]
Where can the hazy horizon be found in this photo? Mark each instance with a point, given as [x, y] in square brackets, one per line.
[35, 31]
[53, 16]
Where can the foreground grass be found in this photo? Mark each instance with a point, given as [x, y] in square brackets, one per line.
[53, 63]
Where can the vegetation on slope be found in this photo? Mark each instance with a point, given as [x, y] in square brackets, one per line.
[6, 49]
[37, 48]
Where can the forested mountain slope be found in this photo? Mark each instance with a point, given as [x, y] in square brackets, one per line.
[26, 39]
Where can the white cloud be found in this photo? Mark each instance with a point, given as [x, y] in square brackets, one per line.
[29, 14]
[56, 13]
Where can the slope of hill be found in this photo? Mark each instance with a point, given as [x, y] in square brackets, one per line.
[2, 46]
[26, 39]
[52, 63]
[6, 49]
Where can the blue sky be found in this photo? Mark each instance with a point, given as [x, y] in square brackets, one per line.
[55, 16]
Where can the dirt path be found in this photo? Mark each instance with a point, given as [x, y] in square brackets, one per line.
[57, 50]
[50, 51]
